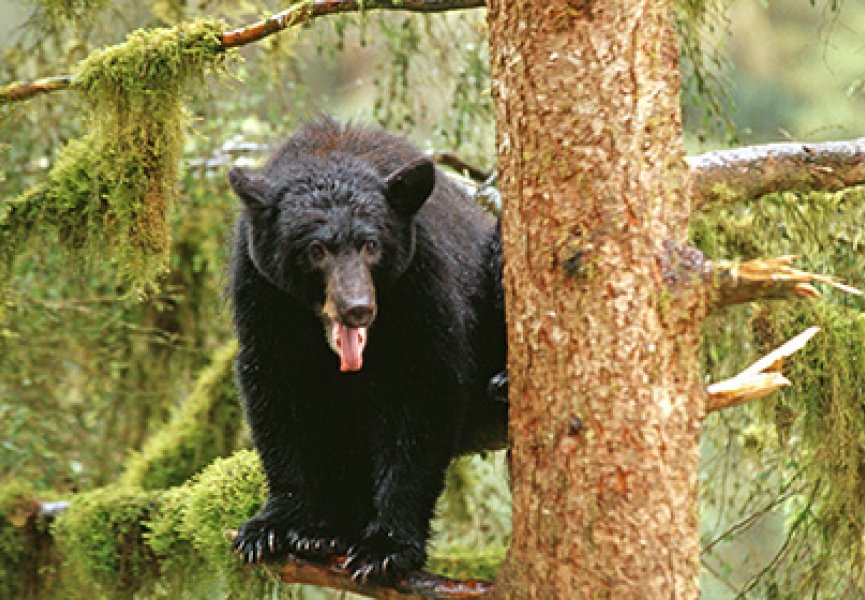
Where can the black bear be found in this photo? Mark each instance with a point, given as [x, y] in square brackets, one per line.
[366, 295]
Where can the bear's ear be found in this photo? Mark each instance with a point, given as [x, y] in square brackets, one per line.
[249, 187]
[408, 188]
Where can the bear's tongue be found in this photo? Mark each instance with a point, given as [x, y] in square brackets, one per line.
[350, 342]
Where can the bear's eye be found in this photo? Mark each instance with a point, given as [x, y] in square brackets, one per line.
[370, 246]
[316, 252]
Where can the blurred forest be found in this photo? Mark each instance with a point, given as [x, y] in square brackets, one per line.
[108, 382]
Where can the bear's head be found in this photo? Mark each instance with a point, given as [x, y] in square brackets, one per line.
[330, 232]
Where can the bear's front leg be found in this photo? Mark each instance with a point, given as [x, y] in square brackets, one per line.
[288, 523]
[409, 470]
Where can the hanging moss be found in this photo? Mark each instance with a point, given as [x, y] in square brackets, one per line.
[109, 193]
[206, 426]
[814, 431]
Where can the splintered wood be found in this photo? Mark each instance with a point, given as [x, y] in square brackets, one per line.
[768, 278]
[760, 379]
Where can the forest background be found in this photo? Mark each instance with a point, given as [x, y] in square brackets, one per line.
[89, 371]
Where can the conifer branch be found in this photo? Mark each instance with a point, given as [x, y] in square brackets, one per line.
[296, 15]
[760, 379]
[746, 173]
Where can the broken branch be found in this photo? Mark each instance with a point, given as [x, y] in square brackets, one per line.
[758, 380]
[765, 278]
[745, 173]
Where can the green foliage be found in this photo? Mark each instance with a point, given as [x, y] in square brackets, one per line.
[89, 373]
[206, 426]
[473, 518]
[702, 25]
[196, 516]
[807, 442]
[168, 543]
[468, 563]
[102, 535]
[109, 192]
[21, 553]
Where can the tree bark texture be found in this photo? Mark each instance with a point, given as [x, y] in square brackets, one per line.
[606, 405]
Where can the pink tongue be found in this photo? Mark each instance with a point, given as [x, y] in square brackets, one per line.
[350, 348]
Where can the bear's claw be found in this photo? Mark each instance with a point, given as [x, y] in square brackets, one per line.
[260, 541]
[379, 558]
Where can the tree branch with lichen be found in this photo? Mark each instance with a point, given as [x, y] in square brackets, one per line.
[294, 16]
[745, 173]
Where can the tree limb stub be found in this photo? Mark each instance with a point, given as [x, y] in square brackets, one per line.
[765, 278]
[760, 379]
[745, 173]
[298, 14]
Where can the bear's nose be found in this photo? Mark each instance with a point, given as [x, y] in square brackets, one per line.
[359, 314]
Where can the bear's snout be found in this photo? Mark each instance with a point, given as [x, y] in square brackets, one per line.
[359, 313]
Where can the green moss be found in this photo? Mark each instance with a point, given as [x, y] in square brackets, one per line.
[207, 425]
[109, 193]
[102, 535]
[811, 436]
[468, 563]
[165, 543]
[17, 552]
[194, 522]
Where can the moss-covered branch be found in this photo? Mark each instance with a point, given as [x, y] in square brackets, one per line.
[745, 173]
[109, 192]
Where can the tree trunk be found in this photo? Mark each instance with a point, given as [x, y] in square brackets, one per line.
[603, 320]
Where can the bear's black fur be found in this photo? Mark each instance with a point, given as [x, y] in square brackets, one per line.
[366, 297]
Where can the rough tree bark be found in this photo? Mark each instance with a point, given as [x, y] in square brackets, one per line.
[606, 404]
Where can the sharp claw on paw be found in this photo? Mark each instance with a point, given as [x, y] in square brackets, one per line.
[271, 541]
[362, 574]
